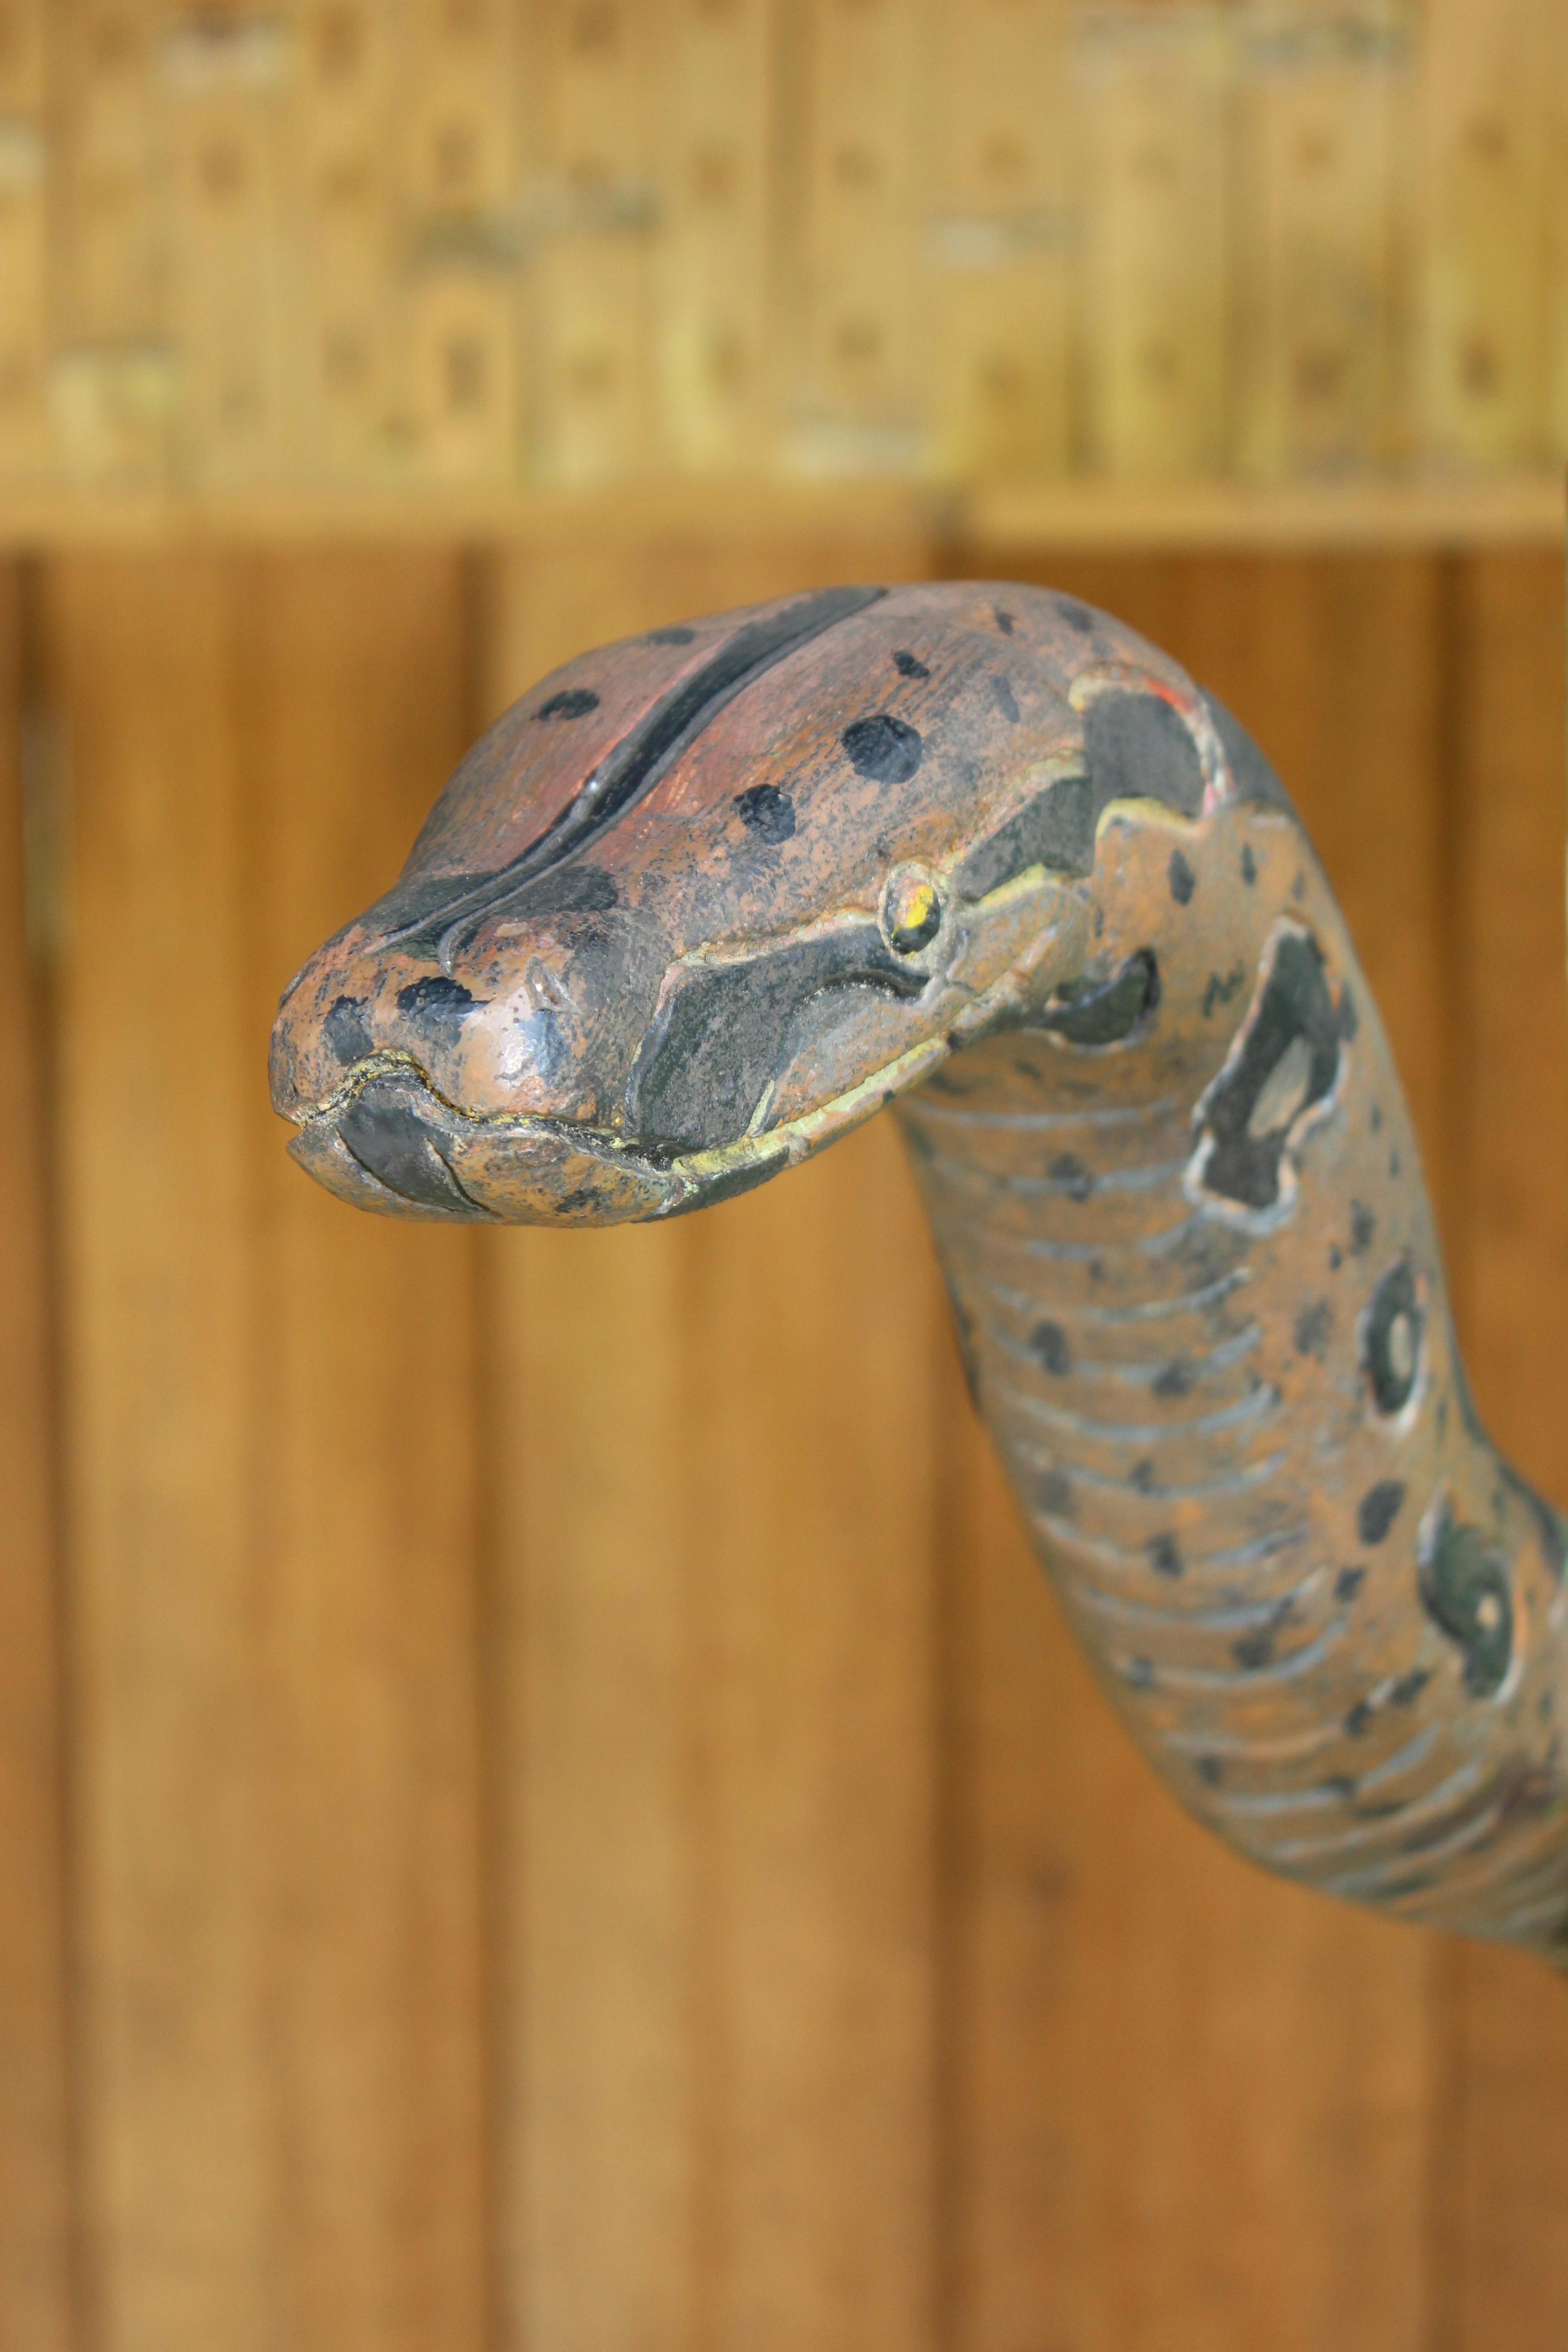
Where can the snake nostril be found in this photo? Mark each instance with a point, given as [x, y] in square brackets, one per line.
[912, 910]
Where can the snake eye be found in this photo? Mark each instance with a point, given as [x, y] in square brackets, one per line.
[912, 910]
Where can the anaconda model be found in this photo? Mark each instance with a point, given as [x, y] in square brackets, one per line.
[703, 900]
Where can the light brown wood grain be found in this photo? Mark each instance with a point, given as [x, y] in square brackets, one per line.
[269, 1437]
[1192, 2103]
[1507, 2167]
[586, 1831]
[161, 1320]
[713, 2126]
[350, 678]
[35, 2276]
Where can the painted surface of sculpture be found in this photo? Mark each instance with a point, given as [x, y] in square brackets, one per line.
[705, 899]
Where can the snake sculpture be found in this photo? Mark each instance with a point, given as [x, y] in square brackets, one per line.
[703, 900]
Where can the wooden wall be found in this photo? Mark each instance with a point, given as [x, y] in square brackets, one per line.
[544, 1804]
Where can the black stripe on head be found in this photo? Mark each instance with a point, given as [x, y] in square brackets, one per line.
[632, 767]
[701, 1070]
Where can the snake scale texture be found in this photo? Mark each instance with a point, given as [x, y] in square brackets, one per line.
[705, 899]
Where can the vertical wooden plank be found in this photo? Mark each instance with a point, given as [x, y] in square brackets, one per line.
[270, 1438]
[35, 2279]
[715, 1766]
[111, 389]
[25, 449]
[1149, 101]
[458, 128]
[1193, 2105]
[1487, 114]
[715, 261]
[232, 279]
[157, 1088]
[998, 275]
[1509, 2169]
[343, 343]
[592, 289]
[815, 1450]
[104, 61]
[856, 106]
[350, 681]
[1323, 240]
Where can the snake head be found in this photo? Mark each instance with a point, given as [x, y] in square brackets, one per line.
[705, 898]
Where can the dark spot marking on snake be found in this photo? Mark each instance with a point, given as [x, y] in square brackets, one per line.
[1392, 1331]
[884, 750]
[1141, 1673]
[1336, 1257]
[435, 1003]
[632, 766]
[1005, 699]
[1093, 1013]
[1137, 748]
[678, 635]
[767, 811]
[1254, 779]
[345, 1032]
[1350, 1020]
[1164, 1555]
[1394, 1163]
[383, 1130]
[1048, 1344]
[1004, 620]
[1349, 1583]
[1183, 881]
[1363, 1229]
[1053, 1494]
[1220, 992]
[1378, 1509]
[1067, 1173]
[1291, 1039]
[1144, 1476]
[701, 1070]
[1358, 1722]
[1409, 1687]
[1313, 1325]
[1465, 1590]
[1255, 1650]
[910, 665]
[1248, 865]
[1056, 829]
[1173, 1380]
[572, 702]
[1210, 1771]
[1076, 616]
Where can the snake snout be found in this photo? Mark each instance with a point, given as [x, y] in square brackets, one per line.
[388, 1142]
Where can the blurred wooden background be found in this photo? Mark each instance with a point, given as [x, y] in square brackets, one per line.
[406, 244]
[543, 1805]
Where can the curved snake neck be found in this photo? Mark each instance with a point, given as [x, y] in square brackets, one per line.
[1203, 1312]
[704, 899]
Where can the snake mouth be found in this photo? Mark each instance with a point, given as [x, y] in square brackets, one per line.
[384, 1139]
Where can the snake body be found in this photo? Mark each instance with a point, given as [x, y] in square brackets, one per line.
[705, 899]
